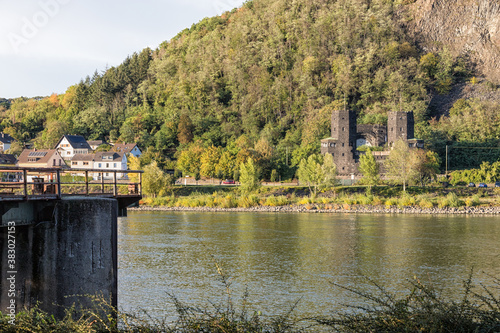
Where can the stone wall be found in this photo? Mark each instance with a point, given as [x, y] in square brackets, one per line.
[61, 260]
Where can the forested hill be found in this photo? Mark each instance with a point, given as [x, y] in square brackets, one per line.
[266, 77]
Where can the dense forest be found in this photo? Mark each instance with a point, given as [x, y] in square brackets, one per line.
[262, 81]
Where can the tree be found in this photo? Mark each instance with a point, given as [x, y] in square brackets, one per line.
[185, 129]
[274, 176]
[133, 163]
[154, 180]
[249, 176]
[329, 171]
[226, 166]
[399, 164]
[369, 168]
[189, 159]
[317, 171]
[426, 166]
[209, 161]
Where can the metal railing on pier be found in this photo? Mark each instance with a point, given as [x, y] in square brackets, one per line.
[17, 183]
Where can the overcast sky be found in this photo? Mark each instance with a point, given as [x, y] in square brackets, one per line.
[48, 45]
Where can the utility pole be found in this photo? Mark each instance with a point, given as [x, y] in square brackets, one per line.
[446, 170]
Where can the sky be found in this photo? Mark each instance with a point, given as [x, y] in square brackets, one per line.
[48, 45]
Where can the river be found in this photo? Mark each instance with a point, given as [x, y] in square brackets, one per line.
[284, 258]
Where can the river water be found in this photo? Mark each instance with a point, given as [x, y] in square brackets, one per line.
[280, 259]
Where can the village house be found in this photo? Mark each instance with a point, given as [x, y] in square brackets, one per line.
[70, 145]
[95, 143]
[8, 160]
[82, 161]
[41, 158]
[105, 161]
[5, 142]
[127, 148]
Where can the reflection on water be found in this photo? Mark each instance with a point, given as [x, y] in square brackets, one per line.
[281, 258]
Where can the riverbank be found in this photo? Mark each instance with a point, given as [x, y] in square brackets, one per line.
[347, 199]
[345, 209]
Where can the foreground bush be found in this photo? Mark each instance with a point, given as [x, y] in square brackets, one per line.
[422, 309]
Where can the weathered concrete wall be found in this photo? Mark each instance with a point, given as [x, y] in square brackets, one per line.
[61, 260]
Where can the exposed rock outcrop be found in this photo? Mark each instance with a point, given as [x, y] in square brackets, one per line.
[465, 27]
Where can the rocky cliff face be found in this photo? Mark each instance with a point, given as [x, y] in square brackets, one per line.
[465, 27]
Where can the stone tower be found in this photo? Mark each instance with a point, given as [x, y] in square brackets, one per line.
[400, 125]
[342, 143]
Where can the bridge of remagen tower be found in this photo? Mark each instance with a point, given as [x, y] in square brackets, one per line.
[59, 235]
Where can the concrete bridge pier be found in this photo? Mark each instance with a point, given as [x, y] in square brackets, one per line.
[58, 261]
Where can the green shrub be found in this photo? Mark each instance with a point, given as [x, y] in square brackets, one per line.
[227, 202]
[451, 200]
[425, 202]
[276, 201]
[391, 202]
[305, 201]
[406, 200]
[365, 199]
[247, 201]
[421, 309]
[472, 201]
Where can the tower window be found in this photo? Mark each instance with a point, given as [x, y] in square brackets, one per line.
[401, 129]
[343, 154]
[342, 144]
[334, 129]
[343, 129]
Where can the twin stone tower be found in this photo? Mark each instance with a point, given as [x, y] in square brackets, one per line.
[347, 136]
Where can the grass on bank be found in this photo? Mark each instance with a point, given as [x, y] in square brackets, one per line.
[421, 309]
[334, 198]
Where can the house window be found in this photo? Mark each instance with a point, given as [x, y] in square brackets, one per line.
[100, 165]
[85, 163]
[74, 163]
[54, 162]
[107, 165]
[114, 165]
[107, 174]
